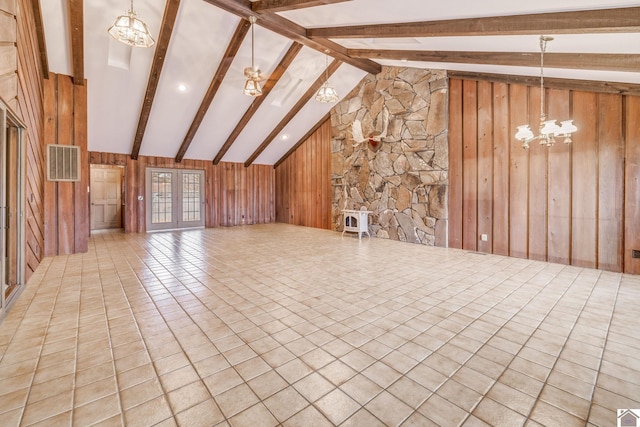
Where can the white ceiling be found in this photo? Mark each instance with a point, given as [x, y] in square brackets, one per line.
[117, 75]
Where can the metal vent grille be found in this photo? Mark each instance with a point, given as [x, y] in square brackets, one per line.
[63, 162]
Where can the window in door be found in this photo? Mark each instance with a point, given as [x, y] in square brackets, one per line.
[175, 199]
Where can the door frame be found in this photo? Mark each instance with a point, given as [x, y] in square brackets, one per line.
[122, 196]
[8, 117]
[177, 222]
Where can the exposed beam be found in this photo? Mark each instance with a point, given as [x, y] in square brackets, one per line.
[76, 19]
[282, 5]
[586, 61]
[303, 139]
[42, 44]
[221, 72]
[620, 20]
[166, 29]
[291, 30]
[551, 83]
[294, 110]
[257, 102]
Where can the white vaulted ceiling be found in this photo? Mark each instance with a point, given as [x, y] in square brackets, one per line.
[117, 75]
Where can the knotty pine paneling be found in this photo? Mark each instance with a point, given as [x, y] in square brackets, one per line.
[303, 182]
[66, 207]
[234, 195]
[573, 204]
[28, 106]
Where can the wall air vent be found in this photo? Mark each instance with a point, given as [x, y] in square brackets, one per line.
[63, 162]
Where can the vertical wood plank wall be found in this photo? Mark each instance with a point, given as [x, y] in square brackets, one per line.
[234, 195]
[303, 182]
[23, 91]
[574, 204]
[66, 203]
[9, 53]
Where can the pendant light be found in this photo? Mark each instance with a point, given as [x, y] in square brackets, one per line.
[326, 93]
[253, 74]
[130, 30]
[549, 129]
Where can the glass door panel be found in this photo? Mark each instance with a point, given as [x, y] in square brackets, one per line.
[175, 199]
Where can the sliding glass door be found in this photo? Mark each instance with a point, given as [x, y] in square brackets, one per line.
[175, 198]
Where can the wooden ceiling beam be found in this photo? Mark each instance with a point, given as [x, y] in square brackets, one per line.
[620, 20]
[631, 89]
[232, 49]
[282, 5]
[586, 61]
[289, 29]
[76, 21]
[257, 102]
[166, 29]
[42, 44]
[310, 93]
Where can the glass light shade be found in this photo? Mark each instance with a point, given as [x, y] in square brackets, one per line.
[550, 128]
[252, 87]
[128, 29]
[327, 94]
[567, 127]
[524, 133]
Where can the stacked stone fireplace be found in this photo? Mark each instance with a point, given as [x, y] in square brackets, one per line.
[403, 178]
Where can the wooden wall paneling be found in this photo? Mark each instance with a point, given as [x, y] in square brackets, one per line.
[231, 195]
[585, 181]
[632, 185]
[559, 186]
[537, 186]
[50, 197]
[141, 205]
[502, 142]
[81, 188]
[470, 165]
[610, 183]
[250, 192]
[131, 197]
[485, 166]
[242, 194]
[325, 155]
[65, 194]
[519, 177]
[455, 163]
[213, 202]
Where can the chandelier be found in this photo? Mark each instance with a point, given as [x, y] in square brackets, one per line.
[253, 74]
[128, 29]
[549, 129]
[326, 93]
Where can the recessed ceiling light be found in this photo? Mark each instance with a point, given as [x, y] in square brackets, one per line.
[285, 137]
[182, 87]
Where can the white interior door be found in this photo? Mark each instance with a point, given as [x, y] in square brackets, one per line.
[106, 197]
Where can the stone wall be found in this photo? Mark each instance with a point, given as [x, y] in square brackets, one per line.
[403, 179]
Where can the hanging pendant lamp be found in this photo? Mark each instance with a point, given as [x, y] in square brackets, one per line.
[253, 74]
[131, 30]
[326, 93]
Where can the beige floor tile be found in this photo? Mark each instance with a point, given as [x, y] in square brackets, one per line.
[285, 403]
[143, 392]
[203, 414]
[97, 410]
[313, 387]
[267, 384]
[243, 313]
[256, 416]
[47, 408]
[236, 400]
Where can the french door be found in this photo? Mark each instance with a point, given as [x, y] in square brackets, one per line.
[11, 206]
[175, 198]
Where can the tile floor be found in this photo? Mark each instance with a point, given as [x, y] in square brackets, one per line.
[274, 324]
